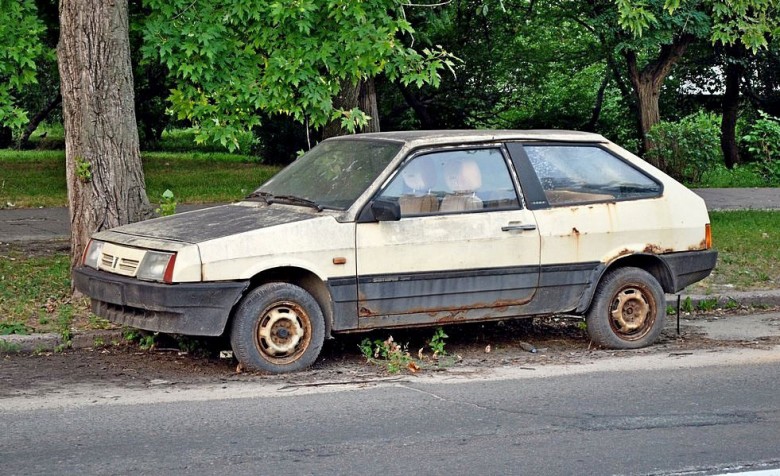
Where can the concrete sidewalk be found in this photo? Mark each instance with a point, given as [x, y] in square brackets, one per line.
[40, 224]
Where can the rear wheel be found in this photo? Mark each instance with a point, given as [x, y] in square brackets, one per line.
[278, 327]
[628, 310]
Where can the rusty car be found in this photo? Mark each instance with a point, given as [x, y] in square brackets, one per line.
[401, 229]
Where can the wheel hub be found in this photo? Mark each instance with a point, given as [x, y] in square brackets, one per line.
[630, 310]
[280, 331]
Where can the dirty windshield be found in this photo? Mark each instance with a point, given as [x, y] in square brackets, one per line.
[331, 175]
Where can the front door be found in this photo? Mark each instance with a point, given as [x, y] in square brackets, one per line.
[463, 249]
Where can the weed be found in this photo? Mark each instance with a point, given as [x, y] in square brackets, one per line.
[9, 347]
[98, 342]
[388, 353]
[731, 304]
[582, 325]
[131, 335]
[145, 340]
[687, 305]
[148, 341]
[707, 304]
[190, 345]
[8, 328]
[83, 170]
[167, 204]
[671, 310]
[437, 342]
[96, 322]
[64, 320]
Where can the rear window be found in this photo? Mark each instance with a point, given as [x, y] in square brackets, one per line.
[579, 174]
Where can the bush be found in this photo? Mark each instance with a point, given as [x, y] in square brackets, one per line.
[763, 144]
[686, 149]
[763, 138]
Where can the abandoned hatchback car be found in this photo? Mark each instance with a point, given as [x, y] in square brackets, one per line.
[413, 228]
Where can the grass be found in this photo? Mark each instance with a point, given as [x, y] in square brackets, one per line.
[35, 291]
[35, 280]
[748, 243]
[742, 176]
[37, 178]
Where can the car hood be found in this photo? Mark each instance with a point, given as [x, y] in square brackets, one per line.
[211, 223]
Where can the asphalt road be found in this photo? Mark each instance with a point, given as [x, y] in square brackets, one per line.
[707, 412]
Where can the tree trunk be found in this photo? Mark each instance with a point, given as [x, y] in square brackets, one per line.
[419, 108]
[362, 96]
[105, 179]
[367, 103]
[590, 126]
[24, 141]
[647, 95]
[730, 105]
[6, 137]
[647, 83]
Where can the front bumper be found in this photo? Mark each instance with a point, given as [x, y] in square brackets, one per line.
[689, 267]
[200, 309]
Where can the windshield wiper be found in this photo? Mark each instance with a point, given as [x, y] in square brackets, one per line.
[267, 197]
[294, 200]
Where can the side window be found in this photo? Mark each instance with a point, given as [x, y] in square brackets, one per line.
[578, 174]
[453, 181]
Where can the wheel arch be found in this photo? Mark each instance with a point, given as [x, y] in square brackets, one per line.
[301, 277]
[651, 263]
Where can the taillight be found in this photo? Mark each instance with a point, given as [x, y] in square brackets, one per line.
[707, 236]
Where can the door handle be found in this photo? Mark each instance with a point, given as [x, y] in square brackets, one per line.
[513, 226]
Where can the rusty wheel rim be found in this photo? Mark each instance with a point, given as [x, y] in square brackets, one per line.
[632, 313]
[283, 333]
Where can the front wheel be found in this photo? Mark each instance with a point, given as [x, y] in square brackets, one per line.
[628, 310]
[278, 327]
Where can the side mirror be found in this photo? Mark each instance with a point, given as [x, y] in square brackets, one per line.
[385, 210]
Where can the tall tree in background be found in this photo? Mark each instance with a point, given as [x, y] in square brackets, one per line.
[103, 162]
[738, 24]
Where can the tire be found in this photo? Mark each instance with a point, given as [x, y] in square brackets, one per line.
[277, 328]
[628, 310]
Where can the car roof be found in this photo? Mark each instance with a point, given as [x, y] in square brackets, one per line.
[422, 138]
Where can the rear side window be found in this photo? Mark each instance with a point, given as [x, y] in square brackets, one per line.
[453, 181]
[580, 174]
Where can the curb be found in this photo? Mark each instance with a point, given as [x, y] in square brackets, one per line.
[83, 340]
[757, 299]
[48, 342]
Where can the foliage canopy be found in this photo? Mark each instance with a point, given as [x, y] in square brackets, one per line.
[231, 59]
[20, 49]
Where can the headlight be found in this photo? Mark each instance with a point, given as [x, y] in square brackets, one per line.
[157, 266]
[92, 253]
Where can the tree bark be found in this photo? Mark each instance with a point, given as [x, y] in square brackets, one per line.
[730, 105]
[362, 96]
[647, 83]
[105, 178]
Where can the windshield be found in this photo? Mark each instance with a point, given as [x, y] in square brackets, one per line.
[334, 173]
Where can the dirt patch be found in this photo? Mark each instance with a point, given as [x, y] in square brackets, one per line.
[478, 347]
[34, 249]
